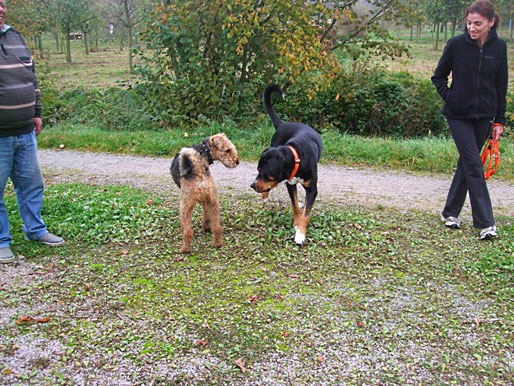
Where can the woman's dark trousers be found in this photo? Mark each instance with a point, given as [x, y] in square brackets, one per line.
[469, 137]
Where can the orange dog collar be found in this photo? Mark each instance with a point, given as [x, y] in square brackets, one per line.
[296, 162]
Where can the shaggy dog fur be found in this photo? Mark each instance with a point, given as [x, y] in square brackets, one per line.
[190, 171]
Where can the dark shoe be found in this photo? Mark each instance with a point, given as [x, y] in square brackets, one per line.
[488, 233]
[6, 255]
[50, 239]
[451, 222]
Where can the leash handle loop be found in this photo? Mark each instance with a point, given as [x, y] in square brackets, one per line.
[491, 152]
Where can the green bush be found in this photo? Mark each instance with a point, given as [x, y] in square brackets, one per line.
[112, 109]
[371, 102]
[49, 93]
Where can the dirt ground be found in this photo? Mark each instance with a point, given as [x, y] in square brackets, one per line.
[342, 185]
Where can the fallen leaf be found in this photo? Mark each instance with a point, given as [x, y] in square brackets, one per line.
[239, 363]
[281, 297]
[201, 342]
[286, 334]
[294, 276]
[30, 319]
[253, 298]
[360, 324]
[124, 251]
[321, 358]
[150, 202]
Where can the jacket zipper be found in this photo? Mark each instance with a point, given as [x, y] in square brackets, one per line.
[478, 81]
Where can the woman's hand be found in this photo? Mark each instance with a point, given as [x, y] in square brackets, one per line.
[497, 131]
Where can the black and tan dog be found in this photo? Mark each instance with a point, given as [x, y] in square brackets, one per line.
[293, 156]
[190, 171]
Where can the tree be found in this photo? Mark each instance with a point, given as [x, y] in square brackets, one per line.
[130, 13]
[206, 57]
[69, 15]
[30, 18]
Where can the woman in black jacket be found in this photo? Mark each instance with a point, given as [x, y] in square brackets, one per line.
[476, 98]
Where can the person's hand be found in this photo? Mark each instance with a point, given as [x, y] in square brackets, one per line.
[497, 131]
[38, 122]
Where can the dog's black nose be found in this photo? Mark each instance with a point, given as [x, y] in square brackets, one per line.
[253, 185]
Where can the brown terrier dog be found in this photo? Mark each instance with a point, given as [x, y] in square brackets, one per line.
[190, 171]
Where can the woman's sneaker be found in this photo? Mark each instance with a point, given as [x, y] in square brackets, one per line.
[488, 233]
[451, 222]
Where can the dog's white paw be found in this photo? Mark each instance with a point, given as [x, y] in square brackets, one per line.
[300, 205]
[299, 237]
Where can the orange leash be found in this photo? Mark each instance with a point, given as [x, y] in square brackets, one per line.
[296, 162]
[491, 152]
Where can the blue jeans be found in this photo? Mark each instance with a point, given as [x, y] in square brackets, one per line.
[19, 161]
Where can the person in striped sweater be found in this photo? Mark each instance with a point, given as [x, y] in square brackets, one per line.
[20, 123]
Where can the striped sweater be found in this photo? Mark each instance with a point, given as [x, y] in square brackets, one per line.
[19, 90]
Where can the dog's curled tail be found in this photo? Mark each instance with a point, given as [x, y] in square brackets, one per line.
[266, 100]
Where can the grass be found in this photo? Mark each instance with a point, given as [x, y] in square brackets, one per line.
[103, 68]
[437, 155]
[367, 300]
[424, 57]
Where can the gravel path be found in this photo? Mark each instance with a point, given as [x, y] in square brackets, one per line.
[340, 185]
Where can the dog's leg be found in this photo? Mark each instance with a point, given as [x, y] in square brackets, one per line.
[293, 195]
[186, 218]
[311, 192]
[213, 212]
[206, 221]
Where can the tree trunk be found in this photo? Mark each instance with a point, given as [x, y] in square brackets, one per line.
[437, 29]
[445, 32]
[86, 42]
[68, 46]
[63, 45]
[244, 64]
[57, 45]
[129, 34]
[40, 46]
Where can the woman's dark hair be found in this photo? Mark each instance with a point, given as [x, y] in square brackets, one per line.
[484, 8]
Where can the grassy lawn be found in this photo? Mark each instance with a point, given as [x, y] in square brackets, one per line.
[102, 68]
[376, 296]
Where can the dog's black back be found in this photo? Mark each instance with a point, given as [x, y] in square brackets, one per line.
[182, 167]
[298, 135]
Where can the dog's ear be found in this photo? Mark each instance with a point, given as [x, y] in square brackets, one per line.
[186, 167]
[219, 139]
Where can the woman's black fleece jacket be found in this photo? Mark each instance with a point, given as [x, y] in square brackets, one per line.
[479, 78]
